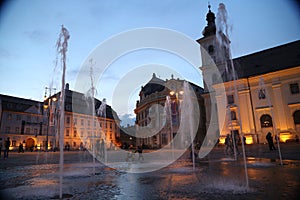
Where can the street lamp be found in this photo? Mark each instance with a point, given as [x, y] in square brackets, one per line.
[48, 107]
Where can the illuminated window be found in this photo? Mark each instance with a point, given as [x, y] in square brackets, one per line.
[266, 121]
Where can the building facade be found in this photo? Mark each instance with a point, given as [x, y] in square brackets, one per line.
[23, 121]
[151, 112]
[33, 123]
[261, 89]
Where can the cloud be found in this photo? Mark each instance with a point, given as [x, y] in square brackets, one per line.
[127, 119]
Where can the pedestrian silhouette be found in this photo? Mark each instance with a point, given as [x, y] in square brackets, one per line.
[270, 141]
[7, 145]
[140, 151]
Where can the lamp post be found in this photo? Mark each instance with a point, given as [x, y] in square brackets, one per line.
[48, 107]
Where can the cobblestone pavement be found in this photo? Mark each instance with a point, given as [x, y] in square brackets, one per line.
[35, 175]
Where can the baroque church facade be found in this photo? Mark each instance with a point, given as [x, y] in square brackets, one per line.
[253, 94]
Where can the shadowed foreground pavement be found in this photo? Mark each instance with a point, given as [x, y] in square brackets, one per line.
[35, 175]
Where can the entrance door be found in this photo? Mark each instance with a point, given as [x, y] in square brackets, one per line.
[29, 143]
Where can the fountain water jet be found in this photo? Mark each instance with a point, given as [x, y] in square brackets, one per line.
[62, 47]
[90, 96]
[189, 119]
[102, 113]
[168, 120]
[221, 28]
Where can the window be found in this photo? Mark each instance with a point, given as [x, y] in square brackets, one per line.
[296, 116]
[67, 132]
[262, 94]
[35, 131]
[233, 115]
[17, 130]
[75, 133]
[27, 130]
[210, 49]
[230, 99]
[266, 121]
[9, 116]
[7, 129]
[68, 120]
[75, 121]
[18, 117]
[294, 88]
[82, 122]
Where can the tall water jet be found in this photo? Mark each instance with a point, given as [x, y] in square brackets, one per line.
[263, 89]
[62, 47]
[222, 29]
[189, 118]
[168, 120]
[90, 99]
[101, 112]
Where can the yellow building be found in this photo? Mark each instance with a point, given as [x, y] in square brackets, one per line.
[254, 94]
[36, 124]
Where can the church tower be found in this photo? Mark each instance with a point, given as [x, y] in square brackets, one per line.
[214, 51]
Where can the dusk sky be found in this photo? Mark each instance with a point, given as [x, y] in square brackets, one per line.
[29, 31]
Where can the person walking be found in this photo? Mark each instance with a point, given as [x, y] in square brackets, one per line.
[228, 143]
[140, 151]
[7, 145]
[270, 141]
[21, 149]
[297, 140]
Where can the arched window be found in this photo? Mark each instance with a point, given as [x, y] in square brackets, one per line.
[233, 115]
[266, 121]
[296, 116]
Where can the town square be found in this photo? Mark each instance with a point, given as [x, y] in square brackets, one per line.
[149, 100]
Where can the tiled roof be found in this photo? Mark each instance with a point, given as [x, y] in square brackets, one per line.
[270, 60]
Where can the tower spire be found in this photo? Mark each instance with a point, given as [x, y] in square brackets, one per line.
[210, 28]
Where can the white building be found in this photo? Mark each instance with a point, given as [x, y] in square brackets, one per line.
[261, 96]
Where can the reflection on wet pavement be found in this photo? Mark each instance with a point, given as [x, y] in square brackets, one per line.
[212, 179]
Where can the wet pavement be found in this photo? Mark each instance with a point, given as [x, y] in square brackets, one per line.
[35, 175]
